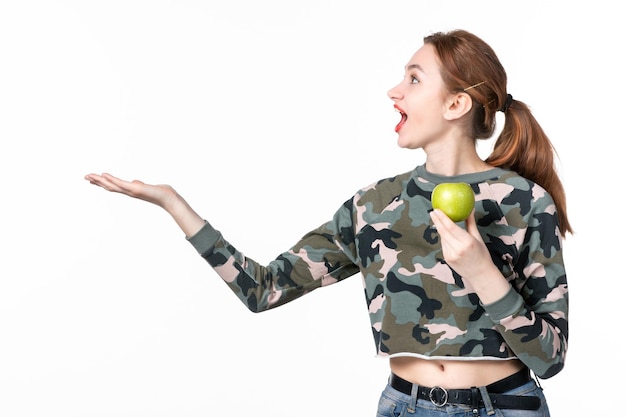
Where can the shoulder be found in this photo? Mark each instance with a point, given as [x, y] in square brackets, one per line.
[511, 190]
[384, 190]
[515, 206]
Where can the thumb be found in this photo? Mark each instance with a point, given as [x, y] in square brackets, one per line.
[472, 228]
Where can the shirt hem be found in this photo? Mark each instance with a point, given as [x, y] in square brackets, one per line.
[447, 358]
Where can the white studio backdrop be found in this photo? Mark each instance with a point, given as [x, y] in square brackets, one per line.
[266, 116]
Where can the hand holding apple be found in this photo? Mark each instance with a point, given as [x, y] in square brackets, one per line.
[455, 199]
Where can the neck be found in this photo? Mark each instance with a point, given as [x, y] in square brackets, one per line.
[455, 162]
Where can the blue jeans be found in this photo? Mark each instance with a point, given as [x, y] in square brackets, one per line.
[394, 403]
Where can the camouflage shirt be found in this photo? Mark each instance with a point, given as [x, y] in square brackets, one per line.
[417, 304]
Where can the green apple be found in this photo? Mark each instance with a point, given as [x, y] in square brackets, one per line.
[455, 199]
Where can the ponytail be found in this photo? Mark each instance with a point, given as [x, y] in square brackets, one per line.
[470, 65]
[524, 147]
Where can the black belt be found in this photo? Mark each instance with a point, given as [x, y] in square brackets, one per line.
[441, 396]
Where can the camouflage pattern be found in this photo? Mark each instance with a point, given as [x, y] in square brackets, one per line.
[417, 304]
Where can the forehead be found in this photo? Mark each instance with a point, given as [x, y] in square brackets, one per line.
[424, 60]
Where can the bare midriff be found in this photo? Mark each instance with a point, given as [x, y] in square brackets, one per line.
[452, 373]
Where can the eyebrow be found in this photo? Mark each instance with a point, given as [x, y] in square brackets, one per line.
[414, 66]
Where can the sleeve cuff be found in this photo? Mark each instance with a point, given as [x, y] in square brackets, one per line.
[205, 239]
[506, 306]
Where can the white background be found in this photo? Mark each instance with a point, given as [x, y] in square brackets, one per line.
[266, 115]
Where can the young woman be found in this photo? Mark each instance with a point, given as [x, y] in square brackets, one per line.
[466, 312]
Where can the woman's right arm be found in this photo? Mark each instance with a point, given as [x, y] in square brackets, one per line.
[322, 257]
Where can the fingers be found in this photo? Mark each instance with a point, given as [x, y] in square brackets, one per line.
[453, 237]
[109, 183]
[156, 194]
[442, 222]
[99, 180]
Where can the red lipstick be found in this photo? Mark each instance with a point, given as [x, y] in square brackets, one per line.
[402, 119]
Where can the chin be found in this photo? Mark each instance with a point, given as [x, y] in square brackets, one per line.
[403, 143]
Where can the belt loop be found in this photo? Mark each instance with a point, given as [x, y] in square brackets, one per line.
[413, 404]
[475, 402]
[534, 376]
[487, 401]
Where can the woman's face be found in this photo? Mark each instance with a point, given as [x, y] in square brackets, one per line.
[421, 100]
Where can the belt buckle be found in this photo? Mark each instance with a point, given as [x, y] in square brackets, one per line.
[443, 398]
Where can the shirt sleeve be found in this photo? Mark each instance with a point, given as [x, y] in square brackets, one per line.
[322, 257]
[533, 315]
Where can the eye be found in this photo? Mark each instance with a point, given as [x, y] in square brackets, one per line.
[414, 80]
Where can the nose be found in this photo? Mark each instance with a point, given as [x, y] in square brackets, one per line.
[394, 94]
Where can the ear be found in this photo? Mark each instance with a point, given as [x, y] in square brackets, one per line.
[457, 106]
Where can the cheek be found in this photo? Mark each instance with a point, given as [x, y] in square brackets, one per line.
[418, 117]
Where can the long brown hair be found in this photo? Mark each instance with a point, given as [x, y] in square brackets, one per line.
[469, 64]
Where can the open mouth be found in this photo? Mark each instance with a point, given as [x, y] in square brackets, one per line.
[403, 118]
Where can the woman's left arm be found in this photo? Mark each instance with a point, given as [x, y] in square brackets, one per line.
[533, 316]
